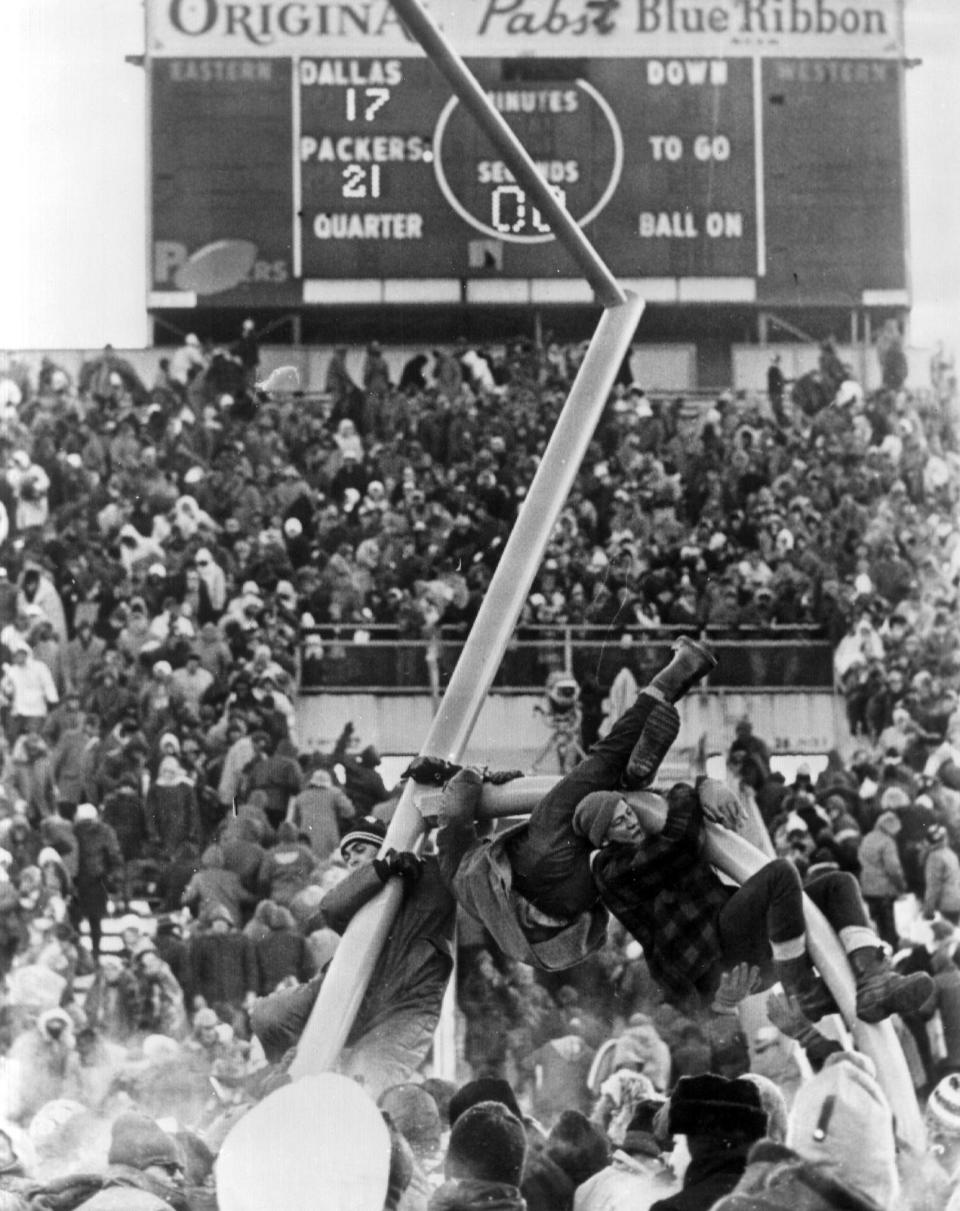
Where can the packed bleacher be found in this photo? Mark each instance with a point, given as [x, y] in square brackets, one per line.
[176, 555]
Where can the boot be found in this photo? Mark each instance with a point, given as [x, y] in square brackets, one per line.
[661, 728]
[801, 981]
[691, 662]
[881, 990]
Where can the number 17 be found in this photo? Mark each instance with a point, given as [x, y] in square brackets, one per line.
[376, 98]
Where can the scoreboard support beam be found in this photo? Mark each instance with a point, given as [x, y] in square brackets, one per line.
[605, 286]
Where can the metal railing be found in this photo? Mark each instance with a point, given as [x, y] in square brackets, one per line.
[384, 664]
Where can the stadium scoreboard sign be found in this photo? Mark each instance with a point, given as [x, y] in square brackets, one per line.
[743, 150]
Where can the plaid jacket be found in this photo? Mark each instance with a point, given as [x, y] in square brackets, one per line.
[669, 899]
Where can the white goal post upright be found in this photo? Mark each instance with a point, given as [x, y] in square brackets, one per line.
[353, 964]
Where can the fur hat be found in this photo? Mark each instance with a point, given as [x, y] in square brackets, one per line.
[714, 1105]
[487, 1143]
[593, 814]
[842, 1117]
[137, 1141]
[366, 828]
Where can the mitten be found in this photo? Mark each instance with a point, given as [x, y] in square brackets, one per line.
[404, 865]
[497, 777]
[430, 771]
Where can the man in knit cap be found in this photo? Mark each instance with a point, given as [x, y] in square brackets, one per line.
[394, 1026]
[651, 874]
[531, 887]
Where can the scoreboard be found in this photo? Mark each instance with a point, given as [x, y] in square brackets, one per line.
[756, 175]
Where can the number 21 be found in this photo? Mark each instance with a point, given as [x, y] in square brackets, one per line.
[355, 181]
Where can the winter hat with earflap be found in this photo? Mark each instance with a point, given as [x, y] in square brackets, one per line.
[842, 1118]
[593, 815]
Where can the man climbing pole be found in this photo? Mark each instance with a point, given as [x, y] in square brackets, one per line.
[531, 885]
[542, 889]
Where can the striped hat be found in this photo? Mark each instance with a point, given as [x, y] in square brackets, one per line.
[943, 1106]
[364, 829]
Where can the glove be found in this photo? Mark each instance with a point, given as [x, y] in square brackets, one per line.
[720, 805]
[430, 771]
[735, 984]
[497, 777]
[404, 865]
[785, 1013]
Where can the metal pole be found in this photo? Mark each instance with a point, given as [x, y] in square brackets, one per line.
[608, 290]
[353, 964]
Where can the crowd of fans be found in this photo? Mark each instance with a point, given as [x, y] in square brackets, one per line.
[170, 551]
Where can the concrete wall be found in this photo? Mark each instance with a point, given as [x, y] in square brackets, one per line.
[509, 734]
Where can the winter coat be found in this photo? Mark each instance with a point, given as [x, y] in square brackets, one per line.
[561, 1068]
[171, 816]
[69, 767]
[123, 811]
[285, 870]
[669, 898]
[881, 872]
[412, 970]
[627, 1183]
[941, 878]
[282, 953]
[221, 967]
[163, 1009]
[114, 1007]
[711, 1175]
[322, 813]
[470, 1195]
[483, 886]
[33, 780]
[98, 852]
[946, 986]
[212, 887]
[81, 661]
[779, 1179]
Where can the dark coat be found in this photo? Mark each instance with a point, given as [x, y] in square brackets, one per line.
[98, 852]
[221, 967]
[282, 953]
[711, 1175]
